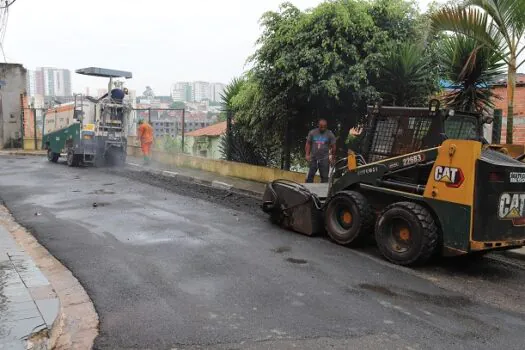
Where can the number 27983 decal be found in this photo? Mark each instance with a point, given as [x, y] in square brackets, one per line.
[414, 159]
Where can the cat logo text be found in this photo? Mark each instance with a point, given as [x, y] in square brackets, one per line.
[512, 207]
[452, 177]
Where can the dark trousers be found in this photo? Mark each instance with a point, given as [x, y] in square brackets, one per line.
[323, 166]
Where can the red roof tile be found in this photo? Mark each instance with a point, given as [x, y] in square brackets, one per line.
[212, 130]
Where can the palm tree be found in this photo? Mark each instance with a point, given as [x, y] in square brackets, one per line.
[404, 76]
[470, 68]
[497, 24]
[231, 90]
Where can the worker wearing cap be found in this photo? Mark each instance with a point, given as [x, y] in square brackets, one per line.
[145, 135]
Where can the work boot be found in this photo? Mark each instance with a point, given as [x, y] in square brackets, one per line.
[146, 160]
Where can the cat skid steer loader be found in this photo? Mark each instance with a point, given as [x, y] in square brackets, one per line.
[423, 182]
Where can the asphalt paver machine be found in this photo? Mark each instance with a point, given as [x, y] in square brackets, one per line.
[424, 182]
[91, 131]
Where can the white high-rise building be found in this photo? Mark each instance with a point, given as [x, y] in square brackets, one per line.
[48, 81]
[31, 83]
[182, 92]
[201, 91]
[197, 91]
[217, 90]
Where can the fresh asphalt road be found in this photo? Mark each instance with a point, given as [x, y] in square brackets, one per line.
[166, 268]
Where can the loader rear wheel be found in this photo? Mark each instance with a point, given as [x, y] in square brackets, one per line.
[406, 233]
[52, 156]
[348, 217]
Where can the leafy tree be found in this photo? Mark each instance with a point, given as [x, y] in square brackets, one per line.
[148, 92]
[470, 67]
[316, 64]
[178, 105]
[322, 63]
[240, 143]
[398, 19]
[497, 24]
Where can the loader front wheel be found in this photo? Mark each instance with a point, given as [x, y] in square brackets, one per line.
[348, 217]
[406, 233]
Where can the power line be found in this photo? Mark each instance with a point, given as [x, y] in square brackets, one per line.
[7, 4]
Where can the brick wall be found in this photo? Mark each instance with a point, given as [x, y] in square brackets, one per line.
[519, 112]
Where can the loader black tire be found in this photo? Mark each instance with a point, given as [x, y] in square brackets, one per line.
[349, 218]
[52, 156]
[406, 234]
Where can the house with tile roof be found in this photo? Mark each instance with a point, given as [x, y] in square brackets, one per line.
[205, 142]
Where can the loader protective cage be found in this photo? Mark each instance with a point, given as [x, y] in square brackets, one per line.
[396, 131]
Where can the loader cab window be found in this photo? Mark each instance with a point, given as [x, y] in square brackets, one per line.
[462, 127]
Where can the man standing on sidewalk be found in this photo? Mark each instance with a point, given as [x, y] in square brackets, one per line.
[320, 150]
[145, 135]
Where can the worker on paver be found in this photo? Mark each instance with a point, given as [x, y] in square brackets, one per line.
[145, 135]
[320, 150]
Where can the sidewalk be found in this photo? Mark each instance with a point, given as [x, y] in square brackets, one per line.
[251, 188]
[28, 303]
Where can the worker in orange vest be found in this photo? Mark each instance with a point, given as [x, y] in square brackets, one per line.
[145, 135]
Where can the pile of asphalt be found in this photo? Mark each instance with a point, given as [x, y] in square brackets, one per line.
[226, 198]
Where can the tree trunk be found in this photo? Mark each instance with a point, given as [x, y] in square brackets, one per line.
[229, 141]
[341, 146]
[287, 159]
[511, 87]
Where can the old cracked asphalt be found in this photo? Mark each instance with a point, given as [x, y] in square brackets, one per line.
[172, 265]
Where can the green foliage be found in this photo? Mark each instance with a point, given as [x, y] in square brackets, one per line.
[244, 150]
[399, 19]
[178, 105]
[404, 78]
[243, 144]
[471, 67]
[222, 117]
[498, 25]
[330, 62]
[168, 144]
[230, 91]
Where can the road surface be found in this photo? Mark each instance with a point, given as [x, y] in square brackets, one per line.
[172, 265]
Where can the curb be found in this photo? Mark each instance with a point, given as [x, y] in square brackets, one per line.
[76, 325]
[191, 179]
[24, 284]
[23, 153]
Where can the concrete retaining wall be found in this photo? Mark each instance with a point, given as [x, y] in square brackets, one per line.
[222, 167]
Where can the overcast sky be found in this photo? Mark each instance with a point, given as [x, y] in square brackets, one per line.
[160, 41]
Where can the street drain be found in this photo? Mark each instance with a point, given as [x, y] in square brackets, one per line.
[297, 261]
